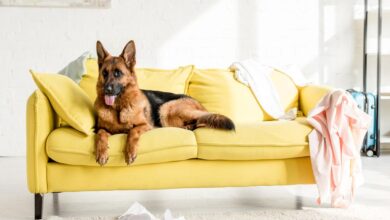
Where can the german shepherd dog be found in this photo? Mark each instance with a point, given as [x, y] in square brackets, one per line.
[124, 108]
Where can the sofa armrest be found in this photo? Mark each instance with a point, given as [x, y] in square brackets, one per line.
[40, 122]
[310, 95]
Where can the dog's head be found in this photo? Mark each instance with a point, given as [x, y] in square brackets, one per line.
[116, 73]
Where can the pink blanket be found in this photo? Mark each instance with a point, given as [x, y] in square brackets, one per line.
[335, 142]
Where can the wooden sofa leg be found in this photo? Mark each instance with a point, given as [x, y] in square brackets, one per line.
[38, 199]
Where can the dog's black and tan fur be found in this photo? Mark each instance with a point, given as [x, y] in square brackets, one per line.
[124, 108]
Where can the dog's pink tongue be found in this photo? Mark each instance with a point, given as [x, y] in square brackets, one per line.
[109, 100]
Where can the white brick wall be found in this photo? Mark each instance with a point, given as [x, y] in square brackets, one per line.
[317, 36]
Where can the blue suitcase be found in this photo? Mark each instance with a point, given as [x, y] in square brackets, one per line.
[367, 103]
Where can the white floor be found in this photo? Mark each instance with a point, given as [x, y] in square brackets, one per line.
[17, 203]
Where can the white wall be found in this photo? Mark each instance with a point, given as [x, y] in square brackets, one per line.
[318, 35]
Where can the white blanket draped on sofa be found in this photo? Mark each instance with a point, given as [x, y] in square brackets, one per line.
[257, 76]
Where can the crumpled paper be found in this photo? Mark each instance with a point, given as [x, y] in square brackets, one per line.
[139, 212]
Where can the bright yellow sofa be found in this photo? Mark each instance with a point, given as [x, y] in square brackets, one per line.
[260, 152]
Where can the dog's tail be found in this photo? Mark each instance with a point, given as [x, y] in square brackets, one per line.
[217, 121]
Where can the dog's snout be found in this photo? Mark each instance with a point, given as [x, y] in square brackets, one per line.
[113, 89]
[109, 89]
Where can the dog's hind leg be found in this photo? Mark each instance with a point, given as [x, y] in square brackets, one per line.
[182, 113]
[189, 114]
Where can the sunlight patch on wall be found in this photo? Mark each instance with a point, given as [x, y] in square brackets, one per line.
[330, 18]
[212, 33]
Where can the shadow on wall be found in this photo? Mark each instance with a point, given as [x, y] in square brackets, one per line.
[150, 27]
[248, 39]
[336, 61]
[318, 35]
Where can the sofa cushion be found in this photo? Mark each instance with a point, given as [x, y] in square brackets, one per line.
[255, 141]
[89, 79]
[287, 90]
[68, 146]
[174, 80]
[219, 92]
[69, 101]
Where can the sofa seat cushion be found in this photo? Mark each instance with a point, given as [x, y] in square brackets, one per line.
[69, 146]
[255, 141]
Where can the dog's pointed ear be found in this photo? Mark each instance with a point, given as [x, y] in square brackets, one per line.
[128, 54]
[101, 53]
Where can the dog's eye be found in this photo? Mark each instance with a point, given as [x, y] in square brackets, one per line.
[117, 73]
[105, 73]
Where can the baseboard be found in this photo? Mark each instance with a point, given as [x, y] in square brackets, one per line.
[385, 148]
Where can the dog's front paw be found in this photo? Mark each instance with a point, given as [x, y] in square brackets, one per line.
[102, 156]
[130, 156]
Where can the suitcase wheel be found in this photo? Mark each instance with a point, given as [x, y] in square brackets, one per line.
[370, 153]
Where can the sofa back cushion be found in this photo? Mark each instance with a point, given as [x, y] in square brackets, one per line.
[219, 92]
[175, 80]
[89, 79]
[287, 90]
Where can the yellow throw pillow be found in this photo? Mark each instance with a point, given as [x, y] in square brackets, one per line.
[175, 81]
[68, 100]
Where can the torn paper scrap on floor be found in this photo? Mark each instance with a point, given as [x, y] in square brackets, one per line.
[139, 212]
